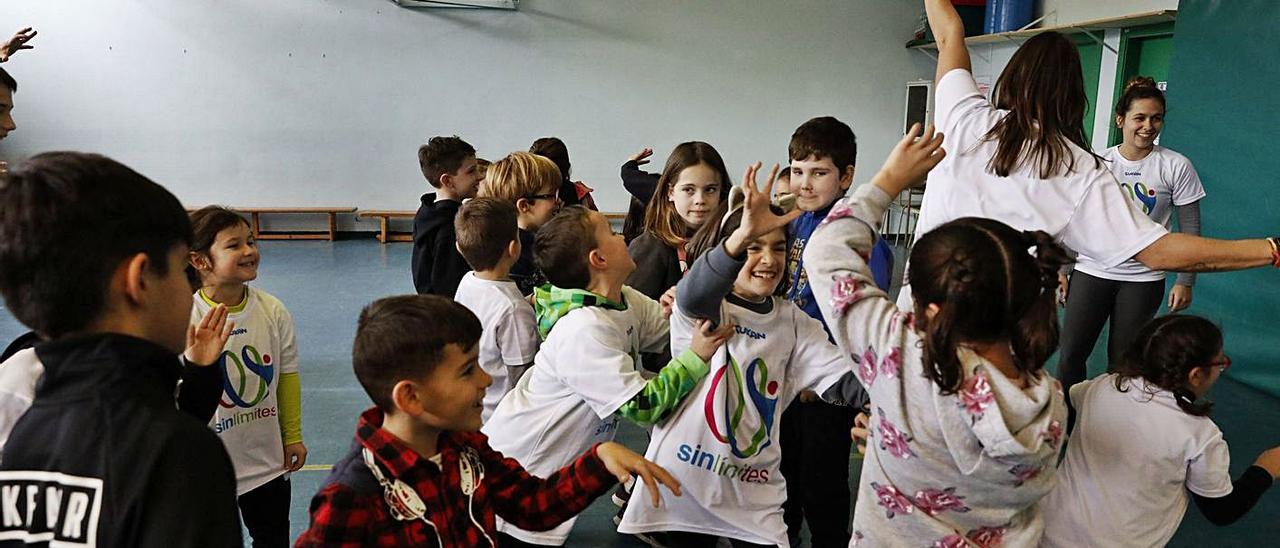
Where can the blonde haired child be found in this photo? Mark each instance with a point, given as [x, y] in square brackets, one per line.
[531, 183]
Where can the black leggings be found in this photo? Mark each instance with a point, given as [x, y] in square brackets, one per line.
[1090, 302]
[815, 462]
[265, 511]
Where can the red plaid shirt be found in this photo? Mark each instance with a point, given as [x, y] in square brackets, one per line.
[350, 509]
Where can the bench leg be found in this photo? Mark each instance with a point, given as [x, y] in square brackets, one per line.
[333, 225]
[382, 235]
[254, 221]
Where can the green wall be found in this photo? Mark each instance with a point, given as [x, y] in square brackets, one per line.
[1223, 115]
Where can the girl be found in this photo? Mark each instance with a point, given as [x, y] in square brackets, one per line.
[571, 192]
[1159, 181]
[260, 416]
[691, 187]
[1144, 440]
[965, 422]
[1023, 160]
[721, 443]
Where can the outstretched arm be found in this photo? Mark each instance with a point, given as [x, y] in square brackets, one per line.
[948, 31]
[1186, 253]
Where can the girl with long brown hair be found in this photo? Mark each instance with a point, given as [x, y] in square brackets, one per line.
[1021, 158]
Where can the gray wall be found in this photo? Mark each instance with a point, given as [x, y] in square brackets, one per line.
[310, 102]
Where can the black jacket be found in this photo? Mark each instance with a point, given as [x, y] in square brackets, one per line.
[525, 273]
[657, 266]
[104, 441]
[639, 183]
[437, 266]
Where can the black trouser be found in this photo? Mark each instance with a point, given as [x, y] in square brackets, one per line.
[681, 539]
[815, 462]
[265, 511]
[1090, 302]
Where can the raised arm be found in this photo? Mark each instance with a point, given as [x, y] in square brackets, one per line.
[948, 31]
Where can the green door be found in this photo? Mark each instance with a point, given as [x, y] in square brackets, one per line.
[1144, 51]
[1091, 62]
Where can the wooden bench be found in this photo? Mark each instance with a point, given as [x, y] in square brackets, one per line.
[258, 234]
[384, 223]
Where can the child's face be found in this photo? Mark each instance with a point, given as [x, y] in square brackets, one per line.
[466, 182]
[766, 257]
[233, 257]
[782, 185]
[817, 183]
[611, 247]
[173, 302]
[453, 393]
[541, 207]
[695, 194]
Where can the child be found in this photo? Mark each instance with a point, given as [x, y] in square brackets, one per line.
[571, 192]
[1144, 439]
[260, 417]
[449, 164]
[91, 257]
[815, 443]
[691, 187]
[489, 239]
[593, 330]
[529, 182]
[722, 443]
[418, 473]
[966, 423]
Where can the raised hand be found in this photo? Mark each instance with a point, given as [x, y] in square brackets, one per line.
[206, 340]
[642, 157]
[910, 161]
[708, 338]
[757, 217]
[17, 43]
[623, 463]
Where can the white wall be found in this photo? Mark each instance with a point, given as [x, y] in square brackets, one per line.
[1076, 11]
[324, 102]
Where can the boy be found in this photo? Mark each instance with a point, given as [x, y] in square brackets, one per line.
[418, 473]
[823, 152]
[593, 330]
[488, 239]
[449, 164]
[531, 183]
[93, 257]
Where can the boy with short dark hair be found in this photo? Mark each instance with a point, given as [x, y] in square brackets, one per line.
[449, 164]
[586, 372]
[487, 237]
[823, 153]
[418, 473]
[93, 257]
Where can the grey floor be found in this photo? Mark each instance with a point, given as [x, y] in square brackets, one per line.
[325, 284]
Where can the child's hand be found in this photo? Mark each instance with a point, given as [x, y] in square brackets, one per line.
[642, 157]
[667, 300]
[17, 43]
[206, 340]
[1064, 284]
[1269, 460]
[706, 341]
[757, 218]
[860, 432]
[910, 161]
[295, 455]
[623, 463]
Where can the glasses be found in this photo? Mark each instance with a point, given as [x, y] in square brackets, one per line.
[536, 197]
[1224, 363]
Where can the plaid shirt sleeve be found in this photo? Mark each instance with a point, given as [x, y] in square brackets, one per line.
[537, 504]
[340, 517]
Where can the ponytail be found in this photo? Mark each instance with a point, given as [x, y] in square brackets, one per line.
[1165, 351]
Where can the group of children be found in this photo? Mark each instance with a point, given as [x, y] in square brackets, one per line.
[758, 336]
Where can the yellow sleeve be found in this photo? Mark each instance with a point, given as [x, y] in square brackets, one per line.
[290, 400]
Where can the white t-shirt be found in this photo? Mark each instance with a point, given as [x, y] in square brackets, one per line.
[1153, 185]
[1130, 462]
[18, 377]
[584, 371]
[261, 348]
[510, 337]
[722, 442]
[1083, 209]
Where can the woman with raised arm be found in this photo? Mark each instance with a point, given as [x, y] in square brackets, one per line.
[1022, 159]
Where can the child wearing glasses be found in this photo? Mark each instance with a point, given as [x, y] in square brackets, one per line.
[1144, 445]
[531, 183]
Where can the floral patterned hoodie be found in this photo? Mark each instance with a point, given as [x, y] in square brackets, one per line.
[965, 469]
